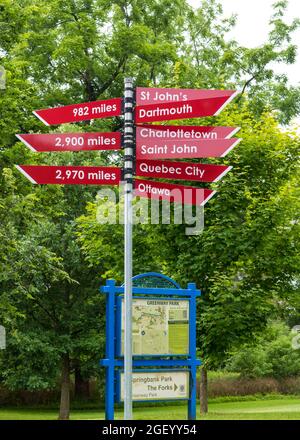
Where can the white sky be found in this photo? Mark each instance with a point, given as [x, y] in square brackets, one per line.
[252, 27]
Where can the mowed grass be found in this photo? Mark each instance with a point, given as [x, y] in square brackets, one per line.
[277, 409]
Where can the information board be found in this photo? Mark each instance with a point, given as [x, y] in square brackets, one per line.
[158, 385]
[159, 326]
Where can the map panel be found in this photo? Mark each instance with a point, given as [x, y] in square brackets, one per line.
[159, 327]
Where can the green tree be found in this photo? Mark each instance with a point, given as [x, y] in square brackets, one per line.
[59, 52]
[50, 301]
[271, 354]
[246, 259]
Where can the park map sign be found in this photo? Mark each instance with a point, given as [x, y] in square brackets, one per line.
[159, 327]
[153, 326]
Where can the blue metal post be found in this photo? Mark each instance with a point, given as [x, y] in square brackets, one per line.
[110, 350]
[192, 347]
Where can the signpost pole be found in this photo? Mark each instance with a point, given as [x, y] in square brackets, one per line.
[128, 187]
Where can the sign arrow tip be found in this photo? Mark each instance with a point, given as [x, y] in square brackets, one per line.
[19, 136]
[40, 118]
[20, 168]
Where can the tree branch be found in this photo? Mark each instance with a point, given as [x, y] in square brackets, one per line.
[51, 316]
[113, 76]
[245, 86]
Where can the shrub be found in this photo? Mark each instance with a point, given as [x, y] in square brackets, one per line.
[284, 359]
[272, 356]
[251, 362]
[228, 387]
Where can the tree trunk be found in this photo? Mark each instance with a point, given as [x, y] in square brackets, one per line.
[64, 409]
[82, 386]
[203, 392]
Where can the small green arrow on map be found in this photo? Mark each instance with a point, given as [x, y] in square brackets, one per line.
[175, 387]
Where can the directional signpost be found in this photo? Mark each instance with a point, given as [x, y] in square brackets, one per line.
[168, 104]
[80, 112]
[188, 195]
[170, 149]
[71, 141]
[153, 95]
[144, 147]
[163, 169]
[70, 175]
[183, 132]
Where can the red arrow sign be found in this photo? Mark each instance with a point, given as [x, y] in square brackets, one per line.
[162, 169]
[180, 110]
[80, 112]
[71, 141]
[150, 95]
[174, 193]
[169, 149]
[71, 175]
[174, 132]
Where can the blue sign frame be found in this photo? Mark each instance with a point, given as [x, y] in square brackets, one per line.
[113, 363]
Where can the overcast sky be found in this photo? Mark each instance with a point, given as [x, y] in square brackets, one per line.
[252, 26]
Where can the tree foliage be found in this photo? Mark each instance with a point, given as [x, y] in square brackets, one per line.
[272, 355]
[53, 253]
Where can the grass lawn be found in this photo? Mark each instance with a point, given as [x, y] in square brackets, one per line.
[265, 409]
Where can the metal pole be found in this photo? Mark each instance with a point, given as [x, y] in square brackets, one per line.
[128, 176]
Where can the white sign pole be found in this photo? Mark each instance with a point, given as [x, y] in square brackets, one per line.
[128, 175]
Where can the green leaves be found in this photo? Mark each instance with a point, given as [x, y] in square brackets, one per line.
[53, 253]
[37, 359]
[272, 355]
